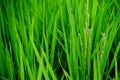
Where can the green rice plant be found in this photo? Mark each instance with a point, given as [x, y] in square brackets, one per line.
[59, 39]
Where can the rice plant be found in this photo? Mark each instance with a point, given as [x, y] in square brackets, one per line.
[59, 40]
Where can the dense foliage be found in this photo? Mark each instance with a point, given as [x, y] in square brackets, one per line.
[60, 39]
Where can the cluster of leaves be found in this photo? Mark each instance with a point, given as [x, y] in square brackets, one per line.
[59, 39]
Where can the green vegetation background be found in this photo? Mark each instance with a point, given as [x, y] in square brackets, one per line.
[60, 39]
